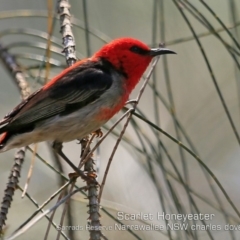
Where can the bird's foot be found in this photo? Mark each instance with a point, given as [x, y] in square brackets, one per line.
[98, 133]
[57, 146]
[89, 178]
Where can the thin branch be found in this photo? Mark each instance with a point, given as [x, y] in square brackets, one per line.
[13, 181]
[42, 206]
[43, 14]
[18, 77]
[66, 208]
[221, 23]
[70, 55]
[87, 37]
[210, 71]
[174, 115]
[83, 161]
[52, 216]
[50, 32]
[83, 192]
[30, 171]
[205, 34]
[92, 194]
[196, 157]
[14, 69]
[38, 218]
[135, 103]
[48, 218]
[66, 30]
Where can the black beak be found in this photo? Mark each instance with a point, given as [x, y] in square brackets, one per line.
[160, 51]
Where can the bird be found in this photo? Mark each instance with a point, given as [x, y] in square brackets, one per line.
[80, 99]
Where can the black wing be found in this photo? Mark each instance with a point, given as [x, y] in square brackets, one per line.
[75, 89]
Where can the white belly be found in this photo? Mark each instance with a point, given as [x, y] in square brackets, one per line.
[63, 129]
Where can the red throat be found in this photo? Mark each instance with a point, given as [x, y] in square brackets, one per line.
[135, 72]
[106, 113]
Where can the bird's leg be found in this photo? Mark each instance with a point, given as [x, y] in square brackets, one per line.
[90, 176]
[85, 144]
[98, 133]
[57, 146]
[88, 166]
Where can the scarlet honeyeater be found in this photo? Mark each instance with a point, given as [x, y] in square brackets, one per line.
[81, 98]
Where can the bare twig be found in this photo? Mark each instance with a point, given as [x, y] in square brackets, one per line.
[50, 31]
[14, 69]
[48, 218]
[69, 50]
[61, 182]
[42, 206]
[66, 207]
[83, 192]
[196, 157]
[85, 159]
[66, 30]
[210, 71]
[38, 218]
[55, 156]
[58, 148]
[94, 216]
[52, 216]
[135, 103]
[30, 171]
[70, 55]
[13, 180]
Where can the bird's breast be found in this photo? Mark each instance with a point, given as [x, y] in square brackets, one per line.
[114, 99]
[106, 113]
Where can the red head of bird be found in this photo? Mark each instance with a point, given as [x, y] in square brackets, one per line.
[129, 56]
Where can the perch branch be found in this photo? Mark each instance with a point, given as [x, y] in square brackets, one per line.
[135, 103]
[13, 179]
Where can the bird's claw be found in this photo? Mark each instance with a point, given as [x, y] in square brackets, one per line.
[57, 146]
[73, 175]
[98, 133]
[90, 177]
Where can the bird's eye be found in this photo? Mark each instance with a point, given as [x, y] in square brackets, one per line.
[135, 49]
[138, 50]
